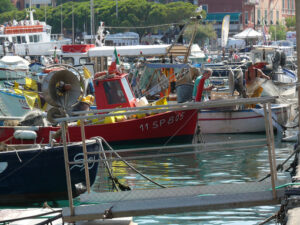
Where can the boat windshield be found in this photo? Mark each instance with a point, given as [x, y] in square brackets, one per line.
[127, 88]
[114, 93]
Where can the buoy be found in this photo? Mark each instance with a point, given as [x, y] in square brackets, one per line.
[25, 134]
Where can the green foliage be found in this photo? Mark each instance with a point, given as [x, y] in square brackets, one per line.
[278, 32]
[291, 22]
[131, 14]
[6, 6]
[203, 32]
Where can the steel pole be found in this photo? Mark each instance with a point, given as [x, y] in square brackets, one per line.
[298, 52]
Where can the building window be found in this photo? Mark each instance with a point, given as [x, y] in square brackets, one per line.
[271, 17]
[27, 5]
[252, 16]
[277, 17]
[38, 6]
[283, 4]
[266, 16]
[293, 4]
[246, 17]
[258, 16]
[289, 5]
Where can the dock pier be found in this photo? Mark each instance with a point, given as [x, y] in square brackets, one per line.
[172, 200]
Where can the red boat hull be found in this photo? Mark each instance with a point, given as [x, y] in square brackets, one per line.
[170, 127]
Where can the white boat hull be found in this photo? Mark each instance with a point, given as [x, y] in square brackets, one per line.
[239, 121]
[37, 49]
[12, 104]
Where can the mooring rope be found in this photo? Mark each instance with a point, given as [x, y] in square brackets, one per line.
[280, 166]
[127, 163]
[109, 170]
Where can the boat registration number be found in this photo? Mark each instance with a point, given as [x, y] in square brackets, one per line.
[23, 104]
[162, 122]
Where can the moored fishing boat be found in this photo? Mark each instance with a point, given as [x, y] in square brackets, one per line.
[12, 103]
[13, 68]
[28, 37]
[36, 173]
[113, 91]
[241, 120]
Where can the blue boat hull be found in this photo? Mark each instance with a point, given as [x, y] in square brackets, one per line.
[38, 175]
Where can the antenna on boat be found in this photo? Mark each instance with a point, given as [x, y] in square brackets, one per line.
[30, 11]
[92, 22]
[100, 34]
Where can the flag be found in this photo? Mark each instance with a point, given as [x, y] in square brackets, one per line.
[55, 56]
[225, 30]
[264, 32]
[115, 61]
[31, 84]
[116, 57]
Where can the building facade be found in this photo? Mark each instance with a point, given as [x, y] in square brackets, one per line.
[19, 4]
[22, 4]
[247, 13]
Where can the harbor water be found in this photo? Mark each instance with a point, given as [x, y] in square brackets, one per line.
[210, 168]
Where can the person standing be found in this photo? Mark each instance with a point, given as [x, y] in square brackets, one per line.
[202, 86]
[251, 75]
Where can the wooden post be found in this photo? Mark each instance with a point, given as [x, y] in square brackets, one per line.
[102, 66]
[86, 165]
[269, 140]
[67, 168]
[272, 140]
[186, 57]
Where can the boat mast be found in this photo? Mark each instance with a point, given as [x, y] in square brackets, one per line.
[45, 13]
[92, 22]
[196, 20]
[31, 14]
[61, 20]
[117, 9]
[73, 42]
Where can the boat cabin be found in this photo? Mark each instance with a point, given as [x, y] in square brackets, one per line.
[113, 92]
[266, 53]
[75, 54]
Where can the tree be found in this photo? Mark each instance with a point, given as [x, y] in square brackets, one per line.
[131, 14]
[290, 22]
[203, 32]
[6, 6]
[278, 32]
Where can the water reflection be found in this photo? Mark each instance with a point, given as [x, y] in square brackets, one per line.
[207, 168]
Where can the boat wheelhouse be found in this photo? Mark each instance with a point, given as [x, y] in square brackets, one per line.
[28, 37]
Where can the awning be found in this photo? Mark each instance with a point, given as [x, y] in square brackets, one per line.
[219, 16]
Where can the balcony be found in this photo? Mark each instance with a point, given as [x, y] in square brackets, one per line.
[251, 2]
